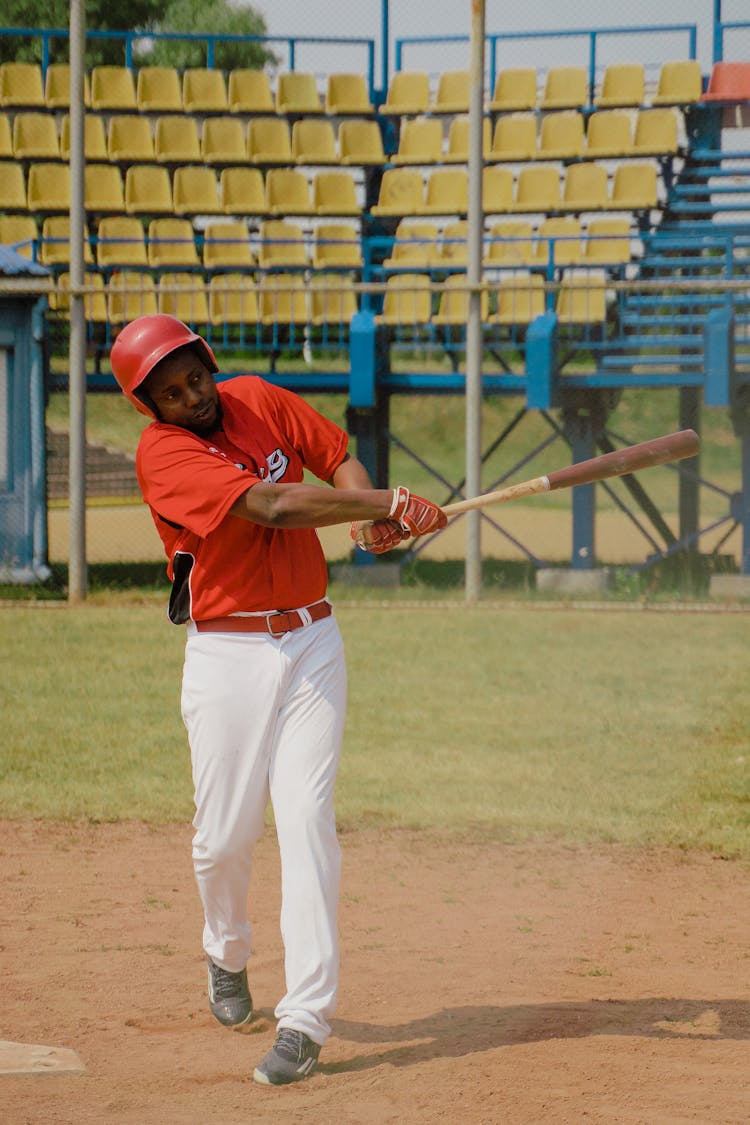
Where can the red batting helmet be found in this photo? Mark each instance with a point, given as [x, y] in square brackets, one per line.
[146, 341]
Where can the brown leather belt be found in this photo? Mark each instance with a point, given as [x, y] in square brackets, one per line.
[275, 622]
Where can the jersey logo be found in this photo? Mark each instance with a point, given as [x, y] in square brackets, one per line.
[278, 463]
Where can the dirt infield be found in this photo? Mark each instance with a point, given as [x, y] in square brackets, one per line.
[481, 983]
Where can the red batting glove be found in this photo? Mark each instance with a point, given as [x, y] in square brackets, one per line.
[377, 536]
[416, 515]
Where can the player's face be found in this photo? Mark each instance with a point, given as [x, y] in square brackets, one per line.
[184, 393]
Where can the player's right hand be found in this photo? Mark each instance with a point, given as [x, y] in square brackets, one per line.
[377, 536]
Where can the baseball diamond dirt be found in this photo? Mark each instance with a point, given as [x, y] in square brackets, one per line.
[483, 982]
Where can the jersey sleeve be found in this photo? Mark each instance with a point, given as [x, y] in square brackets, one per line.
[320, 443]
[186, 480]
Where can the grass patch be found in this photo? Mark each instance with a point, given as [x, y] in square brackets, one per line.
[585, 726]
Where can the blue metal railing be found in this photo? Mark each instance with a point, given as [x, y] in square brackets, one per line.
[593, 35]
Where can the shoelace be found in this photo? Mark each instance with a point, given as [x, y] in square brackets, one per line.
[226, 984]
[289, 1044]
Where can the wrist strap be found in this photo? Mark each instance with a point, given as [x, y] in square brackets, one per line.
[400, 499]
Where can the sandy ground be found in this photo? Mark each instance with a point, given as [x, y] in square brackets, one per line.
[481, 982]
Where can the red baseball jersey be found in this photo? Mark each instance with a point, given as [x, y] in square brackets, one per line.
[221, 564]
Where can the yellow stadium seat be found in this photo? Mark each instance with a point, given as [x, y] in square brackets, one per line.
[452, 94]
[624, 84]
[297, 93]
[609, 133]
[565, 87]
[453, 308]
[48, 188]
[515, 89]
[497, 190]
[35, 136]
[679, 83]
[112, 88]
[283, 299]
[287, 192]
[282, 244]
[120, 241]
[203, 90]
[269, 141]
[334, 193]
[347, 94]
[130, 294]
[656, 133]
[313, 141]
[514, 137]
[401, 192]
[94, 138]
[94, 300]
[6, 138]
[408, 94]
[407, 300]
[561, 136]
[249, 91]
[454, 248]
[54, 248]
[176, 140]
[183, 295]
[57, 87]
[537, 189]
[148, 190]
[12, 187]
[634, 188]
[226, 245]
[446, 193]
[103, 189]
[332, 300]
[415, 246]
[607, 241]
[558, 241]
[336, 246]
[195, 191]
[158, 90]
[510, 244]
[586, 187]
[420, 141]
[360, 142]
[223, 141]
[520, 299]
[129, 139]
[171, 243]
[232, 299]
[582, 299]
[19, 231]
[21, 85]
[458, 140]
[242, 191]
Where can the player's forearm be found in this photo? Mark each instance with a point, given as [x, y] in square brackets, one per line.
[309, 505]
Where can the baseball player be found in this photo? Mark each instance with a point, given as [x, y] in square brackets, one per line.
[264, 680]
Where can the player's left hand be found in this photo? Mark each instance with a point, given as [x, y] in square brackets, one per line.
[416, 515]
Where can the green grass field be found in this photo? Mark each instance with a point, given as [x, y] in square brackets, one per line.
[627, 725]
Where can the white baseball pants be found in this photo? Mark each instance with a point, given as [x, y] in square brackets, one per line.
[265, 717]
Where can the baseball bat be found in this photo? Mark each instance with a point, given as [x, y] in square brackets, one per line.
[658, 451]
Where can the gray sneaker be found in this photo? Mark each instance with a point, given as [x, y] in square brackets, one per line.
[293, 1057]
[228, 995]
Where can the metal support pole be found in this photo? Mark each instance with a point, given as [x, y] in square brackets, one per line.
[77, 578]
[583, 500]
[689, 484]
[473, 573]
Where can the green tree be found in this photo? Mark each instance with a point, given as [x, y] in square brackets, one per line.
[146, 16]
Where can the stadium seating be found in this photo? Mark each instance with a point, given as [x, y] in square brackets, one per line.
[158, 90]
[282, 245]
[183, 295]
[586, 187]
[510, 244]
[729, 82]
[453, 307]
[57, 87]
[334, 193]
[520, 299]
[581, 299]
[537, 189]
[561, 136]
[130, 294]
[515, 89]
[624, 84]
[129, 139]
[148, 190]
[454, 251]
[458, 140]
[94, 300]
[242, 191]
[103, 189]
[223, 141]
[20, 232]
[283, 299]
[607, 241]
[112, 88]
[408, 94]
[176, 140]
[446, 192]
[94, 138]
[497, 190]
[6, 137]
[680, 83]
[204, 90]
[48, 188]
[558, 242]
[249, 91]
[313, 141]
[415, 246]
[269, 141]
[609, 134]
[336, 246]
[656, 133]
[514, 137]
[332, 300]
[361, 143]
[565, 87]
[195, 190]
[420, 141]
[407, 300]
[634, 188]
[171, 244]
[401, 193]
[287, 192]
[120, 241]
[35, 136]
[297, 94]
[232, 300]
[226, 245]
[347, 94]
[21, 85]
[452, 94]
